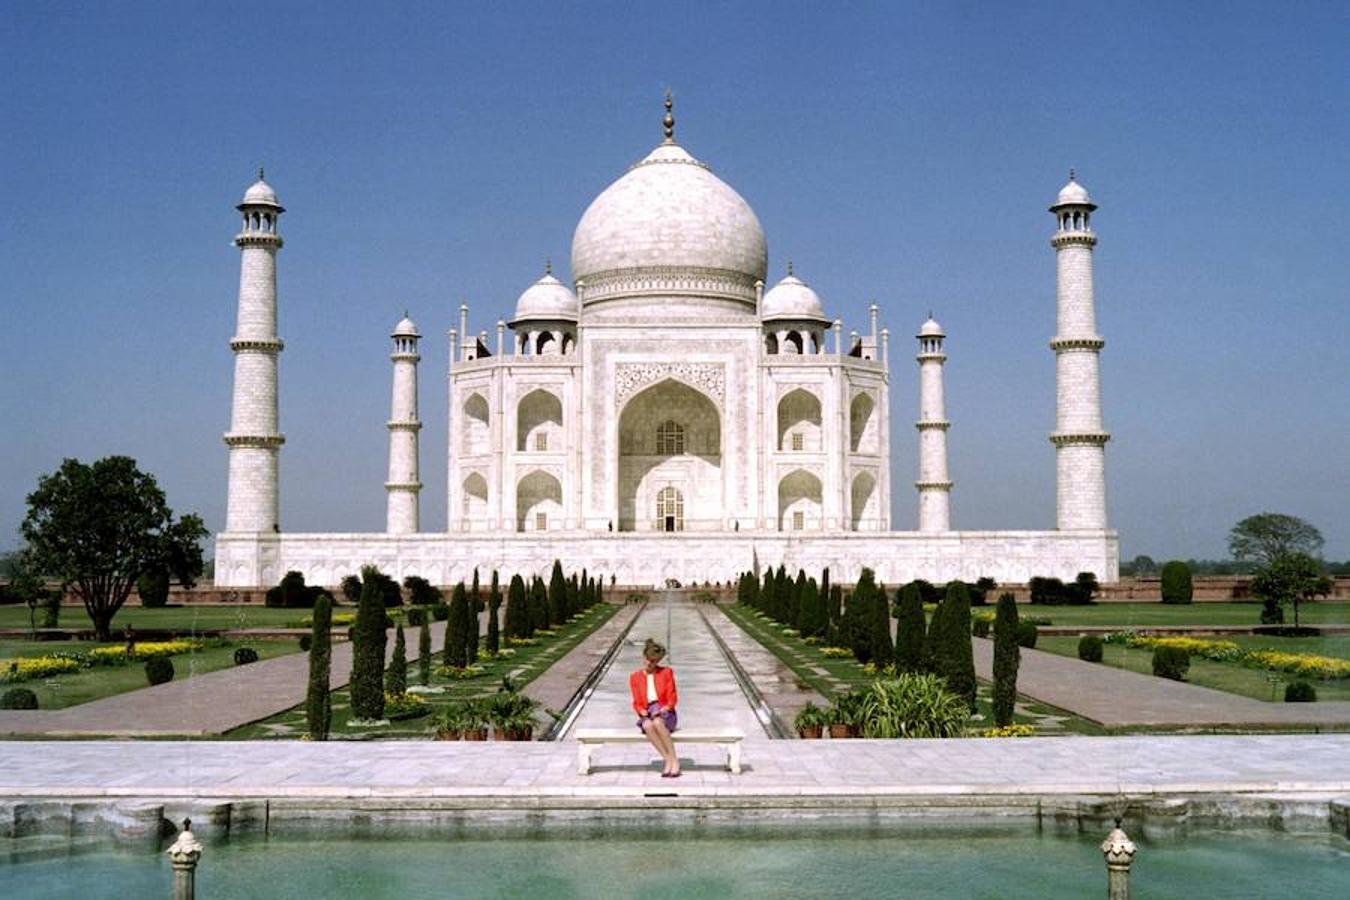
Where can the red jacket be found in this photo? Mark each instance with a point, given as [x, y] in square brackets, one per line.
[665, 688]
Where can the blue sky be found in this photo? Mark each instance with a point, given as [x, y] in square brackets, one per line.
[433, 154]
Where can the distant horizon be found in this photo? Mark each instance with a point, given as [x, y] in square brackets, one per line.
[430, 156]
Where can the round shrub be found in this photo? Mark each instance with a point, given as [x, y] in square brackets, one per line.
[245, 655]
[159, 670]
[153, 588]
[306, 641]
[416, 616]
[1300, 692]
[1176, 582]
[979, 626]
[1171, 662]
[1090, 648]
[23, 698]
[440, 612]
[1026, 634]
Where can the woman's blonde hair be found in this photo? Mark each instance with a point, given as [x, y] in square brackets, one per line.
[653, 650]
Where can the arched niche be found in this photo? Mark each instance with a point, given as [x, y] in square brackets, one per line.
[476, 430]
[862, 425]
[863, 512]
[799, 502]
[670, 435]
[539, 421]
[474, 498]
[799, 421]
[538, 502]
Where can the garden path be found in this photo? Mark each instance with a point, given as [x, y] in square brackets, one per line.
[1117, 697]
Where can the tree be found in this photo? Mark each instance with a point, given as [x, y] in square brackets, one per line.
[794, 611]
[1176, 585]
[812, 621]
[1294, 577]
[475, 597]
[1085, 587]
[424, 652]
[517, 615]
[28, 587]
[952, 654]
[879, 622]
[396, 676]
[471, 631]
[351, 589]
[557, 595]
[911, 633]
[420, 591]
[538, 605]
[1142, 566]
[368, 639]
[1007, 657]
[153, 588]
[494, 603]
[96, 528]
[1266, 537]
[457, 628]
[318, 702]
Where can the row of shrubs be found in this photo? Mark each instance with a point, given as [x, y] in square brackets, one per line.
[1307, 665]
[509, 713]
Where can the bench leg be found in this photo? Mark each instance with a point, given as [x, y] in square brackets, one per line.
[583, 759]
[734, 758]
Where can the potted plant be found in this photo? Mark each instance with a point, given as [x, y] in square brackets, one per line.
[449, 724]
[846, 715]
[512, 715]
[811, 721]
[475, 722]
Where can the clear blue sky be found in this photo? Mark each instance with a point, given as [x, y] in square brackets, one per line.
[432, 153]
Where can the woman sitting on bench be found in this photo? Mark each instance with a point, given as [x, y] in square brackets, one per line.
[654, 698]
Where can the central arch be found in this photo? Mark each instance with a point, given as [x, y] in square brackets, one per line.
[670, 440]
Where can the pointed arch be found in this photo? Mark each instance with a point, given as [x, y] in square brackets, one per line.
[862, 426]
[539, 419]
[863, 512]
[476, 429]
[538, 502]
[799, 420]
[799, 502]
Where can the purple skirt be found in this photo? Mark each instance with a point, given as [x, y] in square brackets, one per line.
[668, 716]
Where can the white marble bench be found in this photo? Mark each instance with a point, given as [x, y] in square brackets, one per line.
[590, 738]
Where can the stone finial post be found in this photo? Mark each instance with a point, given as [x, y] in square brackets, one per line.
[184, 854]
[1119, 851]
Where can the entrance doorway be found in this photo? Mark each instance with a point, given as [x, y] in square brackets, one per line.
[670, 509]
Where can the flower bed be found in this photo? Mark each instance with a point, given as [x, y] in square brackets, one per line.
[23, 668]
[1306, 665]
[111, 656]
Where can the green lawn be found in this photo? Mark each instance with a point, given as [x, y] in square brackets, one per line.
[60, 691]
[185, 618]
[527, 664]
[1128, 615]
[1230, 677]
[844, 674]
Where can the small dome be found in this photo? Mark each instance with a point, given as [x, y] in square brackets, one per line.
[670, 212]
[1073, 194]
[931, 329]
[260, 194]
[547, 299]
[405, 328]
[791, 298]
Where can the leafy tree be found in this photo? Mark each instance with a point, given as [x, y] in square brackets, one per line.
[368, 639]
[396, 676]
[1141, 566]
[953, 657]
[29, 588]
[351, 589]
[318, 702]
[424, 652]
[96, 528]
[1007, 657]
[1294, 577]
[494, 604]
[517, 615]
[292, 593]
[1085, 586]
[911, 654]
[457, 628]
[979, 591]
[420, 591]
[557, 594]
[1266, 537]
[1176, 585]
[153, 588]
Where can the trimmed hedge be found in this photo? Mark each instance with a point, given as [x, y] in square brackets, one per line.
[245, 655]
[18, 698]
[153, 588]
[1090, 648]
[1027, 632]
[1176, 582]
[1171, 662]
[159, 670]
[1300, 692]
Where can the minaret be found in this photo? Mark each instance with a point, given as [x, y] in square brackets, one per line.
[1079, 438]
[253, 438]
[933, 484]
[403, 484]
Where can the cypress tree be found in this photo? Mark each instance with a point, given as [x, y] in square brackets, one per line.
[471, 631]
[318, 703]
[910, 631]
[396, 676]
[857, 616]
[583, 594]
[573, 597]
[879, 623]
[766, 593]
[782, 595]
[831, 615]
[795, 600]
[538, 605]
[368, 634]
[494, 637]
[836, 614]
[1007, 656]
[424, 653]
[955, 660]
[557, 595]
[475, 596]
[813, 617]
[517, 616]
[457, 628]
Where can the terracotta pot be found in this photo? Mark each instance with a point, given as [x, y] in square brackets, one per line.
[517, 734]
[810, 733]
[475, 734]
[854, 731]
[447, 735]
[840, 731]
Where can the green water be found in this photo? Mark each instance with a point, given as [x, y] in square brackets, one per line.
[834, 865]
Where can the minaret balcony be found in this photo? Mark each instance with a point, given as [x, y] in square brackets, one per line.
[258, 239]
[406, 425]
[264, 441]
[1090, 438]
[1073, 238]
[255, 345]
[1077, 343]
[933, 425]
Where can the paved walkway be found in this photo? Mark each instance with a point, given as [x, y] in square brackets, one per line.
[202, 705]
[1117, 697]
[779, 686]
[709, 695]
[559, 682]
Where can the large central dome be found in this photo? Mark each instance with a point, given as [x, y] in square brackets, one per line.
[669, 225]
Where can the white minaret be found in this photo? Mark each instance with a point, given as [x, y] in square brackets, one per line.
[1079, 438]
[253, 438]
[934, 486]
[403, 484]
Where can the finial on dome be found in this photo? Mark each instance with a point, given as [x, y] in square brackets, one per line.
[669, 121]
[789, 268]
[548, 265]
[260, 173]
[1073, 176]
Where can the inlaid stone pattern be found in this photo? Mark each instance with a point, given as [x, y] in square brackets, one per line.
[709, 378]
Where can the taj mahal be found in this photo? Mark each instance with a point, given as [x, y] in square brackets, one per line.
[668, 414]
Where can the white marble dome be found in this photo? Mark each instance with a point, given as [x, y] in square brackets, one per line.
[669, 211]
[405, 328]
[1073, 193]
[931, 328]
[260, 193]
[548, 299]
[792, 298]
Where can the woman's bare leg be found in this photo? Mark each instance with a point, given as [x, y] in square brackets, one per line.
[662, 734]
[650, 728]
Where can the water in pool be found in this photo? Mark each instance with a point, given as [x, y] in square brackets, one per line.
[690, 868]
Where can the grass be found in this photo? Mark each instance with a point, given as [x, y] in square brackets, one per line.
[845, 674]
[61, 691]
[1230, 677]
[1127, 615]
[527, 664]
[185, 618]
